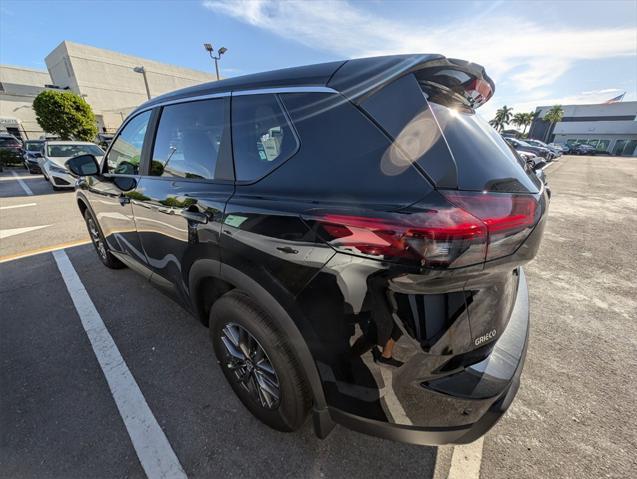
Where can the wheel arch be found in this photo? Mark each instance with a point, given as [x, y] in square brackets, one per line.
[83, 204]
[221, 275]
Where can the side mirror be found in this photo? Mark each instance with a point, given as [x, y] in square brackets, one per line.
[539, 165]
[83, 165]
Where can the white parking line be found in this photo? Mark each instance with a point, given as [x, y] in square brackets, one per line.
[18, 231]
[151, 445]
[466, 461]
[24, 186]
[17, 206]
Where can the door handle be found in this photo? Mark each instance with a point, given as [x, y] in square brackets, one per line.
[288, 250]
[195, 216]
[123, 200]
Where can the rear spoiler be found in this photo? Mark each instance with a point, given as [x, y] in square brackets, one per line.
[465, 82]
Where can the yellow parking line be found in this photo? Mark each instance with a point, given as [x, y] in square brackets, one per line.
[46, 249]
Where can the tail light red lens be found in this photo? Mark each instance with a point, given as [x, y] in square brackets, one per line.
[509, 218]
[471, 228]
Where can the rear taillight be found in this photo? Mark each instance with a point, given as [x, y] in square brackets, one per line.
[509, 218]
[469, 229]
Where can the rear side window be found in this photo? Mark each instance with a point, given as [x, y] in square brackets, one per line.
[262, 137]
[188, 140]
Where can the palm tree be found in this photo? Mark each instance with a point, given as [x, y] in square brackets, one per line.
[502, 118]
[553, 116]
[523, 120]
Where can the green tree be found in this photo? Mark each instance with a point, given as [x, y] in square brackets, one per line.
[553, 116]
[65, 114]
[522, 120]
[502, 118]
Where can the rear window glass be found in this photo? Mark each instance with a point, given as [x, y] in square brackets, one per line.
[451, 143]
[34, 145]
[4, 141]
[483, 159]
[262, 137]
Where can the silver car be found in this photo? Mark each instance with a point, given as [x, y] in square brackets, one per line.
[56, 153]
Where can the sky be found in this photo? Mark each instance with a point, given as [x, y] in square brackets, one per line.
[538, 53]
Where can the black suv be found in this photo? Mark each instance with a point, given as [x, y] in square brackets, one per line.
[351, 232]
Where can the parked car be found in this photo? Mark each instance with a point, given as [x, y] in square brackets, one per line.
[104, 140]
[32, 152]
[555, 151]
[564, 148]
[54, 156]
[533, 163]
[10, 149]
[520, 145]
[583, 149]
[349, 260]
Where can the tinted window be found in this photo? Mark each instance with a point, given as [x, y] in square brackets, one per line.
[188, 140]
[34, 145]
[484, 160]
[261, 135]
[453, 145]
[126, 153]
[7, 141]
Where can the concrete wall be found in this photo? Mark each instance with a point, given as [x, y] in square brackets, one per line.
[108, 81]
[19, 87]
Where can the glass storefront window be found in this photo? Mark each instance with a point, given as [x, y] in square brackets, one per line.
[603, 145]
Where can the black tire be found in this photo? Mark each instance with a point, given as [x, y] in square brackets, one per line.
[239, 311]
[100, 245]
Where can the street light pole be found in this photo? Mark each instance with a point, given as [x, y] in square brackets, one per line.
[142, 70]
[217, 66]
[209, 48]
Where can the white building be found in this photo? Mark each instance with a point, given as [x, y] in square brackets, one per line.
[18, 88]
[106, 79]
[609, 127]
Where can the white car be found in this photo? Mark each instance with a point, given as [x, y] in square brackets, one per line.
[56, 153]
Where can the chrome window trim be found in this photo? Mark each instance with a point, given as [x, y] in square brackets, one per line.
[285, 89]
[257, 91]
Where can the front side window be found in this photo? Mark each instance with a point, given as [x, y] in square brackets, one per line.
[126, 153]
[189, 140]
[261, 135]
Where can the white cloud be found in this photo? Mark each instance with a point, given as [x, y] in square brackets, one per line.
[533, 54]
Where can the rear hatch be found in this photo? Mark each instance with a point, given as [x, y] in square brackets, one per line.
[484, 219]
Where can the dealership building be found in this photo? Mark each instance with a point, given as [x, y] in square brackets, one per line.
[609, 127]
[112, 83]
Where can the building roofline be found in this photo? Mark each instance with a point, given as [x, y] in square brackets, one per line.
[586, 104]
[17, 67]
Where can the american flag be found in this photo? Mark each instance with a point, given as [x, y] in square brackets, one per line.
[616, 99]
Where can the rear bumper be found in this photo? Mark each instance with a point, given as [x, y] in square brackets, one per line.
[487, 388]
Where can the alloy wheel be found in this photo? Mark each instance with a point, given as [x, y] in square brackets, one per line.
[250, 365]
[96, 238]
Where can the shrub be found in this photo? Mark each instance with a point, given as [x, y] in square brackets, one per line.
[65, 114]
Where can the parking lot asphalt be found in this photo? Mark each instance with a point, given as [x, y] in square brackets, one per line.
[572, 417]
[41, 219]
